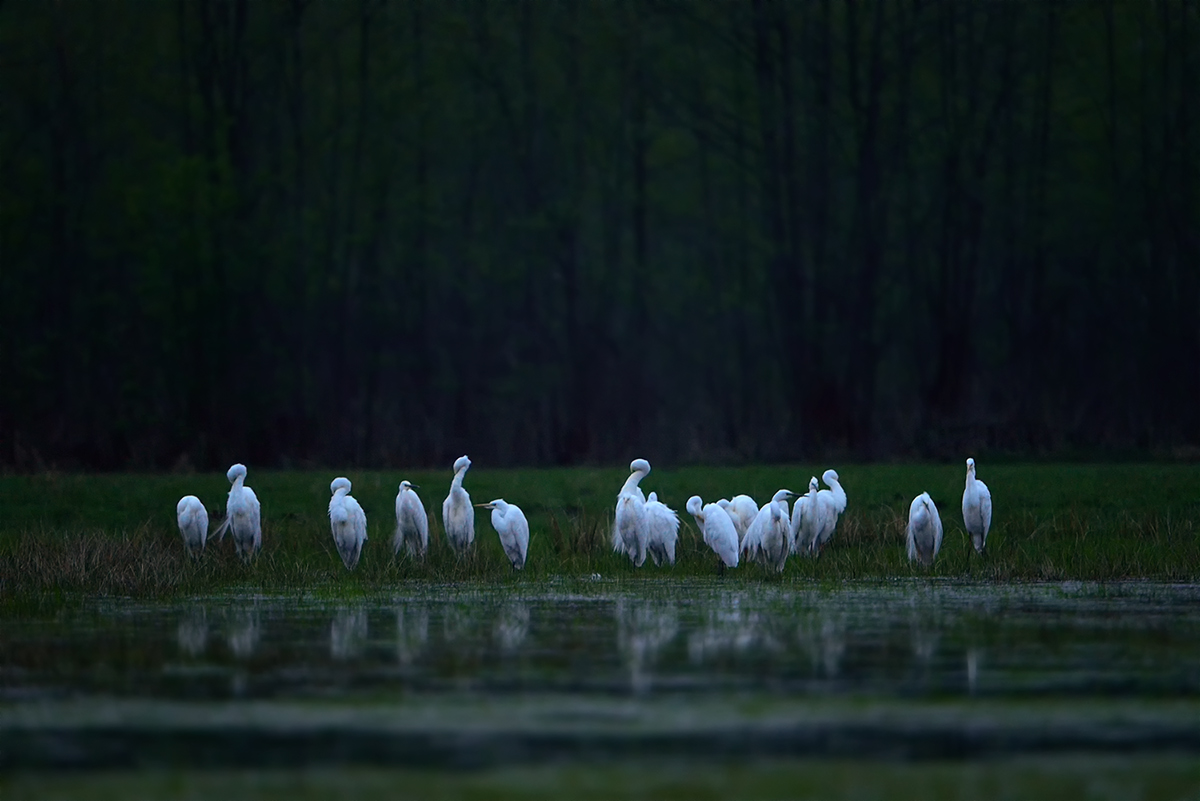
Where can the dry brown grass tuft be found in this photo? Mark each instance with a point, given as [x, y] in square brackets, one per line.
[95, 563]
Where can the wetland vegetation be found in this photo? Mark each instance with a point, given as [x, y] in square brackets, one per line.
[371, 234]
[1109, 777]
[1075, 635]
[115, 534]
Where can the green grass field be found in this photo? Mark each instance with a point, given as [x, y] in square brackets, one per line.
[1106, 777]
[64, 536]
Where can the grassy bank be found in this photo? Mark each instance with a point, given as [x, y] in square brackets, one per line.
[1110, 776]
[66, 535]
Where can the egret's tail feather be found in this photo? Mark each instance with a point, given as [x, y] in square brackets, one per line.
[219, 534]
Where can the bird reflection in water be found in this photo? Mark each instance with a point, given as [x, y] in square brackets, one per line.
[823, 637]
[512, 626]
[412, 632]
[925, 624]
[972, 670]
[460, 625]
[243, 633]
[643, 630]
[192, 633]
[924, 642]
[348, 633]
[729, 628]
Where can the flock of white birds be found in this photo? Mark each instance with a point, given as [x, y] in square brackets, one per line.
[736, 529]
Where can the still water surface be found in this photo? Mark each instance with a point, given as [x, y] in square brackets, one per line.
[471, 675]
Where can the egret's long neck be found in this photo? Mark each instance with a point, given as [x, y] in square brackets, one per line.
[970, 477]
[458, 479]
[238, 482]
[633, 480]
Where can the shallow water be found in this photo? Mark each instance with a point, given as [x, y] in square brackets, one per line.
[479, 676]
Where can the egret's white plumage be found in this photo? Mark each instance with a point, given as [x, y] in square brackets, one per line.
[662, 530]
[806, 524]
[831, 503]
[924, 529]
[193, 523]
[412, 523]
[830, 477]
[513, 529]
[243, 515]
[767, 537]
[631, 534]
[458, 515]
[742, 510]
[976, 508]
[717, 529]
[348, 521]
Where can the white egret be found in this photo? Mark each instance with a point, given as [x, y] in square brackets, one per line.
[830, 477]
[412, 523]
[924, 529]
[662, 530]
[510, 523]
[767, 537]
[458, 516]
[243, 515]
[806, 523]
[348, 521]
[832, 502]
[717, 529]
[193, 524]
[742, 510]
[631, 533]
[977, 508]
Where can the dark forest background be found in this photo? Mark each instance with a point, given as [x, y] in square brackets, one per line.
[361, 232]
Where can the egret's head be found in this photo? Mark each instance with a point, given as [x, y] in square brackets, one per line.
[653, 497]
[970, 465]
[496, 504]
[236, 472]
[639, 466]
[408, 485]
[461, 463]
[694, 505]
[341, 482]
[830, 476]
[812, 484]
[783, 495]
[723, 503]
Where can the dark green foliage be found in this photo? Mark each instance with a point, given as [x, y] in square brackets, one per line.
[370, 233]
[65, 535]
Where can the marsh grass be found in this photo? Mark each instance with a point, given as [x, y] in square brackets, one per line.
[1168, 776]
[66, 536]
